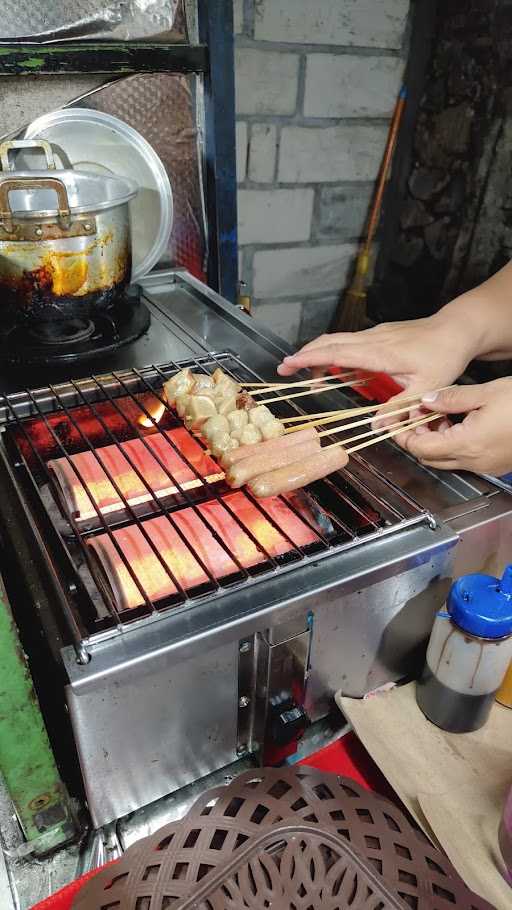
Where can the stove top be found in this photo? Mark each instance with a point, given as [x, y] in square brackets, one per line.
[75, 340]
[185, 319]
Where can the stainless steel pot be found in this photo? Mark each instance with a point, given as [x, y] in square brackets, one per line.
[65, 240]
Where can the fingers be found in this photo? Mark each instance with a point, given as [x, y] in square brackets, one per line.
[336, 338]
[456, 400]
[333, 355]
[382, 418]
[404, 439]
[285, 369]
[288, 366]
[436, 446]
[319, 371]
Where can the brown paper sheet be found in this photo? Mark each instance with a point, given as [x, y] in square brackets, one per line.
[453, 784]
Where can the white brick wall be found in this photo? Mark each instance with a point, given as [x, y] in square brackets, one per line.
[263, 152]
[327, 154]
[301, 270]
[274, 216]
[365, 23]
[266, 81]
[238, 16]
[311, 75]
[241, 150]
[344, 85]
[285, 319]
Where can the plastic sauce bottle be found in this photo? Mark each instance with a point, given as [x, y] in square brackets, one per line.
[469, 652]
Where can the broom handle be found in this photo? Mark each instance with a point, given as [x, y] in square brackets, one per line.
[386, 161]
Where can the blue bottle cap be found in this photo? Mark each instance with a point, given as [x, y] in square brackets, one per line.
[482, 604]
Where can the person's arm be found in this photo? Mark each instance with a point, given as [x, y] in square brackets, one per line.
[432, 353]
[423, 353]
[486, 312]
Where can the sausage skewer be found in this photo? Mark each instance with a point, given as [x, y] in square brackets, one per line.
[275, 457]
[317, 466]
[247, 469]
[269, 446]
[299, 473]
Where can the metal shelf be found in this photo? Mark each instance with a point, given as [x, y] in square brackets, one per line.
[101, 58]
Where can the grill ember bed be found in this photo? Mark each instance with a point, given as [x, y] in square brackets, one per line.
[143, 511]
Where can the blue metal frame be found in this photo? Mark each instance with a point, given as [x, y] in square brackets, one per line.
[216, 32]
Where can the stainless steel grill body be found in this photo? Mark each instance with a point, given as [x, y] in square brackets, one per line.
[176, 694]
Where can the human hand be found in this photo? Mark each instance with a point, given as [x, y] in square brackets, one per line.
[420, 354]
[482, 443]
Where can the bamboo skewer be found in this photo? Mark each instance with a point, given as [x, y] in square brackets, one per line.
[398, 428]
[277, 386]
[313, 416]
[338, 385]
[253, 385]
[365, 420]
[335, 415]
[367, 433]
[412, 426]
[344, 413]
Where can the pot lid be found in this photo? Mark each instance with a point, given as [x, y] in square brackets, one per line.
[87, 193]
[95, 142]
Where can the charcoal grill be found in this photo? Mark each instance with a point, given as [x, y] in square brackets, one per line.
[232, 662]
[351, 509]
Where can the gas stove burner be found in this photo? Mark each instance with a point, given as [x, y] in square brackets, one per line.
[73, 340]
[68, 332]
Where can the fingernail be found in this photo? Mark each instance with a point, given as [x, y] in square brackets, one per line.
[443, 427]
[429, 397]
[421, 430]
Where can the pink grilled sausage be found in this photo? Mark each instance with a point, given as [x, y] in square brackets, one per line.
[299, 474]
[249, 468]
[270, 445]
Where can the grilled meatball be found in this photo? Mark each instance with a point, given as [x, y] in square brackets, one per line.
[250, 435]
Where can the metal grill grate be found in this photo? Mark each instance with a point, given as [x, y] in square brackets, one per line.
[86, 415]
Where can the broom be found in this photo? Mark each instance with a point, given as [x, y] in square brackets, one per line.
[351, 313]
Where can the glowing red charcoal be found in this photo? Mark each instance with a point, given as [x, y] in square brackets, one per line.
[118, 460]
[181, 558]
[152, 576]
[253, 519]
[296, 529]
[89, 422]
